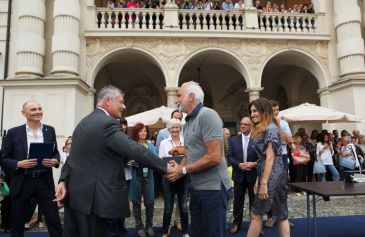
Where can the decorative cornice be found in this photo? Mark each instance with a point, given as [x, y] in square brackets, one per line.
[344, 83]
[249, 34]
[47, 82]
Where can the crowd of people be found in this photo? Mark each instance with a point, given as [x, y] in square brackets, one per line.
[216, 20]
[227, 5]
[104, 170]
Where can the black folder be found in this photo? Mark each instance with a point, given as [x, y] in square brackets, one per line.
[178, 159]
[40, 151]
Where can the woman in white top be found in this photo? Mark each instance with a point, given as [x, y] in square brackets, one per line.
[325, 153]
[239, 6]
[66, 150]
[179, 188]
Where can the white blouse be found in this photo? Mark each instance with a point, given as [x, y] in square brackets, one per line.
[326, 155]
[166, 145]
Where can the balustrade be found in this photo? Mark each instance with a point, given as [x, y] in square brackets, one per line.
[129, 18]
[198, 20]
[202, 20]
[288, 22]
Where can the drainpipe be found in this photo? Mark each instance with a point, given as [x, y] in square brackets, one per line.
[6, 62]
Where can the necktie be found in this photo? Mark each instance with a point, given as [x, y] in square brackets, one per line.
[245, 145]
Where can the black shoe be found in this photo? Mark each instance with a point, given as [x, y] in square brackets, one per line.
[326, 199]
[234, 228]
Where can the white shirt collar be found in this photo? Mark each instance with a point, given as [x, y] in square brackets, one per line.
[29, 129]
[170, 138]
[106, 112]
[246, 137]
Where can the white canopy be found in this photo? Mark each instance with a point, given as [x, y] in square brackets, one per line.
[311, 113]
[152, 116]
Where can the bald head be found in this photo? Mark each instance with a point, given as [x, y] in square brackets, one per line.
[356, 133]
[245, 125]
[33, 112]
[29, 103]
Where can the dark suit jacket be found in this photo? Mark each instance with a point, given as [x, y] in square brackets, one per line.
[94, 171]
[235, 156]
[15, 149]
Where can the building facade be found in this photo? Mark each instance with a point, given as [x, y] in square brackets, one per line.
[62, 52]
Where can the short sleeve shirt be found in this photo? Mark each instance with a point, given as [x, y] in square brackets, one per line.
[284, 124]
[205, 126]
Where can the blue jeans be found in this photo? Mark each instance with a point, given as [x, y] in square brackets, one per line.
[334, 172]
[142, 189]
[180, 188]
[208, 209]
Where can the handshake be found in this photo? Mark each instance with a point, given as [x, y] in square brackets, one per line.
[174, 170]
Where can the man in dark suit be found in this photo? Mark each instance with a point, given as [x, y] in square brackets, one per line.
[242, 156]
[24, 184]
[94, 176]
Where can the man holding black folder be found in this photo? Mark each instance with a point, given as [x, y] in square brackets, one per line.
[31, 177]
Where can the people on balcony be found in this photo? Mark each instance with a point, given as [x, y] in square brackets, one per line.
[258, 5]
[186, 5]
[282, 9]
[111, 4]
[275, 7]
[208, 5]
[197, 5]
[216, 5]
[227, 5]
[239, 6]
[268, 7]
[132, 4]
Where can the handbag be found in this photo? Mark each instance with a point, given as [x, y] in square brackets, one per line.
[4, 189]
[319, 167]
[300, 155]
[347, 163]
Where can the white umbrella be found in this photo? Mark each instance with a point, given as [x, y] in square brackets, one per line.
[152, 116]
[311, 113]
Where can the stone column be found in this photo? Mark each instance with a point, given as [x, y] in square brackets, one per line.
[66, 40]
[30, 43]
[248, 4]
[350, 45]
[171, 17]
[171, 93]
[251, 15]
[253, 93]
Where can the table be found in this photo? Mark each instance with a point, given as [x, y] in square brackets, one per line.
[325, 189]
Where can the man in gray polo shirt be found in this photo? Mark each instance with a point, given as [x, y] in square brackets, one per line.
[205, 164]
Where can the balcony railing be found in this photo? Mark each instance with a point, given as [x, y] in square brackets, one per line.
[211, 20]
[128, 18]
[288, 22]
[178, 20]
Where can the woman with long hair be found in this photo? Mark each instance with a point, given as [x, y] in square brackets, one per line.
[325, 153]
[271, 183]
[301, 159]
[142, 184]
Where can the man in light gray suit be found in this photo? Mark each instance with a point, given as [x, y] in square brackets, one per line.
[93, 176]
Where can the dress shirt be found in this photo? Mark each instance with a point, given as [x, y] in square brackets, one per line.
[245, 141]
[34, 139]
[106, 112]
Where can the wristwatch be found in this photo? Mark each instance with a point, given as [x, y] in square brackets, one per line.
[184, 172]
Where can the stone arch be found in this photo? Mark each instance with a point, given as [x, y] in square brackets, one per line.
[108, 57]
[302, 59]
[236, 61]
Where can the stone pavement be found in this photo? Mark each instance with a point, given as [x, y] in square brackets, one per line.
[337, 206]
